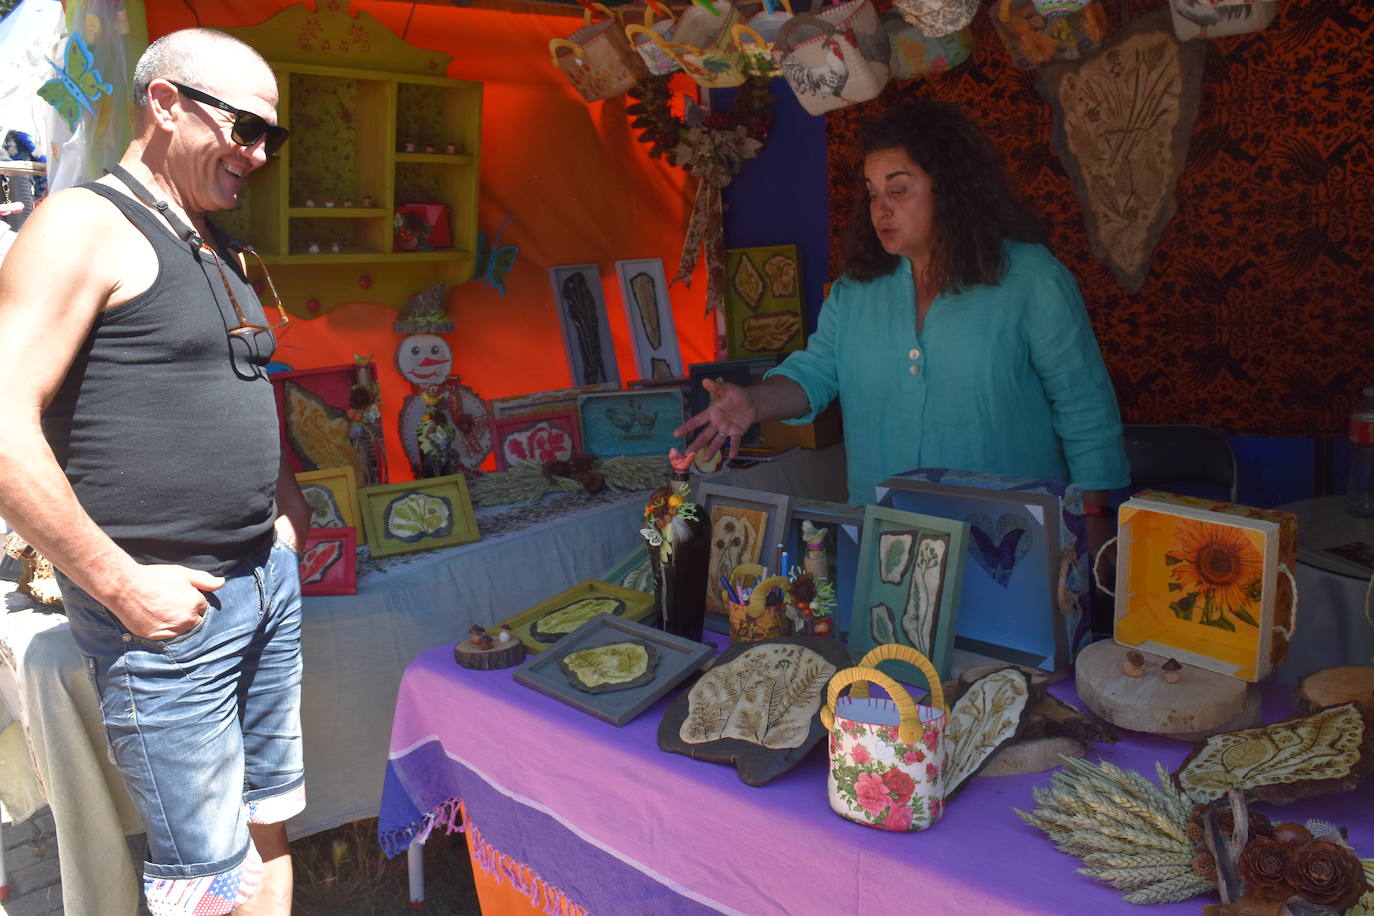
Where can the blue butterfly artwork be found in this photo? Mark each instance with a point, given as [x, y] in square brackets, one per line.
[495, 260]
[77, 85]
[997, 548]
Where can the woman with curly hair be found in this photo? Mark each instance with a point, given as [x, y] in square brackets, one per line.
[953, 338]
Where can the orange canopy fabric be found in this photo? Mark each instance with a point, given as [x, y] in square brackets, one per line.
[578, 185]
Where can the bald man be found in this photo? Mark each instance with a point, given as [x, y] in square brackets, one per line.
[139, 452]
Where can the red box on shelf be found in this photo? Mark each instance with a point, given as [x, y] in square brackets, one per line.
[422, 227]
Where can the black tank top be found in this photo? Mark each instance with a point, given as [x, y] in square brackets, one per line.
[165, 425]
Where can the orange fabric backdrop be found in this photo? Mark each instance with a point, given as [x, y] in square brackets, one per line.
[580, 187]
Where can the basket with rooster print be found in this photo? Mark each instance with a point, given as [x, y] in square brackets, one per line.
[597, 59]
[887, 757]
[838, 57]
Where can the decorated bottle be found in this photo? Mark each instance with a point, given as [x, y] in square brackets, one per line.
[679, 547]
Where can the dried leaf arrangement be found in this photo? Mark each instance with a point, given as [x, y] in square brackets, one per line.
[1265, 869]
[1128, 832]
[529, 481]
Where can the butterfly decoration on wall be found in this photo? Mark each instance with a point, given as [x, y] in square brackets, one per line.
[495, 260]
[998, 547]
[77, 85]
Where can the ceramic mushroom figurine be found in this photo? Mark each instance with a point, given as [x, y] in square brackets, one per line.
[1172, 671]
[444, 426]
[1133, 665]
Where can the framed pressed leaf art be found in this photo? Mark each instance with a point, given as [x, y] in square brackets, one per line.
[763, 301]
[650, 313]
[418, 515]
[747, 526]
[332, 495]
[312, 409]
[549, 621]
[911, 573]
[329, 562]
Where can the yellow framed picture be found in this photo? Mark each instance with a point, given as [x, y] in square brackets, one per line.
[332, 494]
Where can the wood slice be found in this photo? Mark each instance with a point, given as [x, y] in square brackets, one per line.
[1201, 703]
[498, 656]
[1333, 686]
[1034, 755]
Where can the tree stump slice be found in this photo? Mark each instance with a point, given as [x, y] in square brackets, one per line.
[1034, 755]
[1202, 703]
[1334, 686]
[468, 655]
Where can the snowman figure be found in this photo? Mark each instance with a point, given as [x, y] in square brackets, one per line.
[445, 426]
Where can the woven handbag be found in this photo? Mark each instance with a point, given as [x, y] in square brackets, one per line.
[887, 757]
[704, 46]
[597, 59]
[649, 46]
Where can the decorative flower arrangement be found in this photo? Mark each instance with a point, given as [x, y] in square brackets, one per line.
[669, 504]
[1271, 866]
[712, 147]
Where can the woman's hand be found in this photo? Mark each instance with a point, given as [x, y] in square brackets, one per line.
[724, 421]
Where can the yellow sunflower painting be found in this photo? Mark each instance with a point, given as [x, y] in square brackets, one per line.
[1215, 571]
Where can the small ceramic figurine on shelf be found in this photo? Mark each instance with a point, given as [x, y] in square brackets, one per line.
[408, 146]
[310, 202]
[313, 248]
[429, 147]
[815, 562]
[445, 427]
[334, 247]
[329, 203]
[451, 148]
[348, 203]
[679, 548]
[367, 201]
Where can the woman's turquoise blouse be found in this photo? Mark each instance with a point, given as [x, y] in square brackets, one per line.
[1003, 379]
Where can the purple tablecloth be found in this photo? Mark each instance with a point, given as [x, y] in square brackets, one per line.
[621, 827]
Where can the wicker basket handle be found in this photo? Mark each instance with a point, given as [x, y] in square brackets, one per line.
[897, 652]
[910, 730]
[557, 43]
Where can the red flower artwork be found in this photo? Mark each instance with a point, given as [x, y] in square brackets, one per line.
[541, 443]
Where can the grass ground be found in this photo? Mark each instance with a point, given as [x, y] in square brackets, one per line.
[343, 872]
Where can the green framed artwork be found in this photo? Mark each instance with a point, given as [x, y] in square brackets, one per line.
[418, 515]
[763, 301]
[332, 495]
[549, 621]
[907, 588]
[634, 571]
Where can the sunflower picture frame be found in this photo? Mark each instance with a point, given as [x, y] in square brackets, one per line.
[418, 515]
[332, 495]
[1205, 582]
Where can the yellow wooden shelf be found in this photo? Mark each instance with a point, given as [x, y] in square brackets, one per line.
[437, 158]
[336, 212]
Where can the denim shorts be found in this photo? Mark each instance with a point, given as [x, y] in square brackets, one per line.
[205, 728]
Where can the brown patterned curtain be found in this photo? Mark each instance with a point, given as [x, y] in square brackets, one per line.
[1255, 317]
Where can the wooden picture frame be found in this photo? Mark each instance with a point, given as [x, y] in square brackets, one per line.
[634, 572]
[677, 658]
[312, 413]
[716, 500]
[846, 524]
[581, 308]
[764, 310]
[550, 435]
[632, 605]
[649, 310]
[332, 495]
[742, 372]
[1019, 530]
[418, 515]
[639, 422]
[911, 566]
[540, 401]
[329, 562]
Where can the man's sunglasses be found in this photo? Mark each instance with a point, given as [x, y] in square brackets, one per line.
[248, 128]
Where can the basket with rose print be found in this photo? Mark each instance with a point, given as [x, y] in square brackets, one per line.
[887, 757]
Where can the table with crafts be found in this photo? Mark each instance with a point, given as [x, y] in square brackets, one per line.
[355, 647]
[564, 811]
[1336, 622]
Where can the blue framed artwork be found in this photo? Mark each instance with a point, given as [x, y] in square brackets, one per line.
[839, 548]
[911, 573]
[634, 571]
[630, 422]
[1025, 538]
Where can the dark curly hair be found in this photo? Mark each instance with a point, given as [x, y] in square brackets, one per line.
[975, 205]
